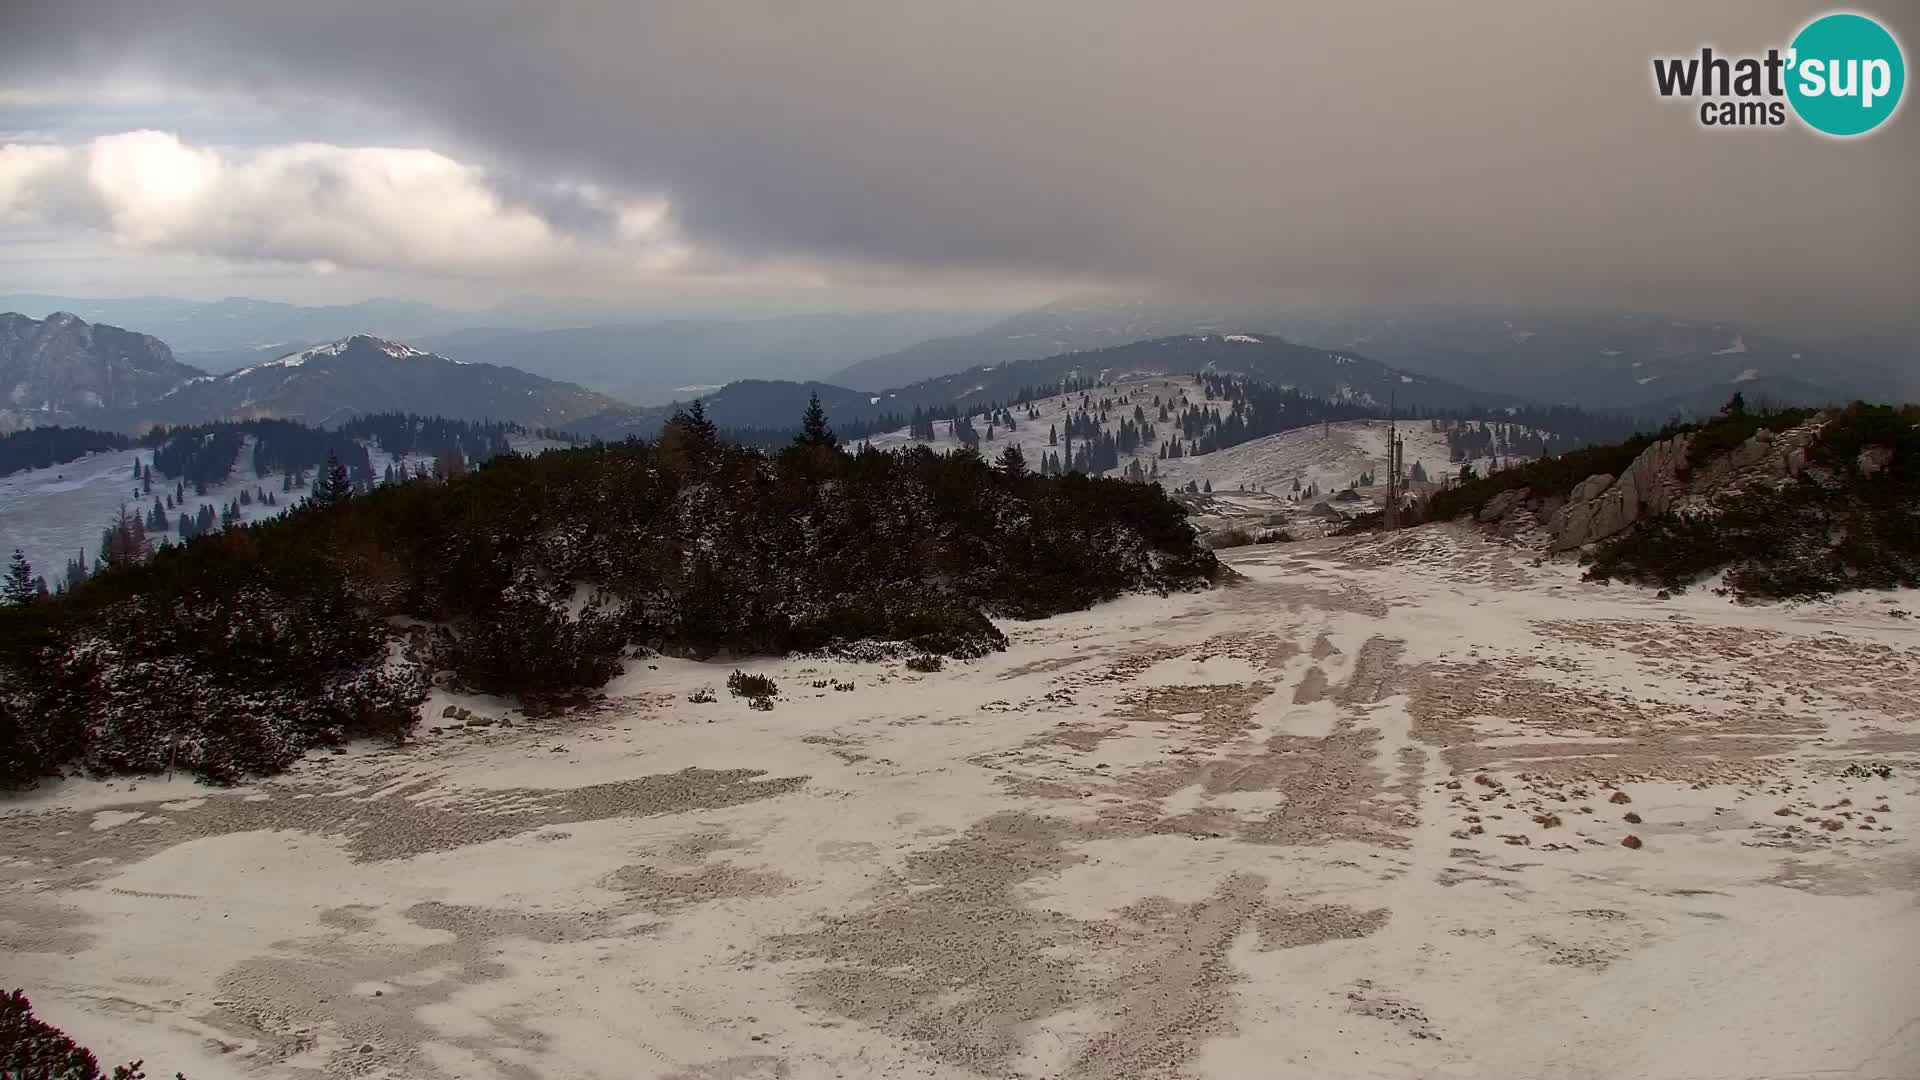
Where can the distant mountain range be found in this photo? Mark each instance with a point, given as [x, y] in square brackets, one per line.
[1592, 360]
[1334, 375]
[638, 359]
[655, 362]
[241, 325]
[64, 370]
[331, 383]
[1618, 360]
[1322, 373]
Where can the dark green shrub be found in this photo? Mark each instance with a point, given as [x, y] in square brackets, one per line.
[1221, 539]
[32, 1049]
[240, 650]
[753, 687]
[533, 647]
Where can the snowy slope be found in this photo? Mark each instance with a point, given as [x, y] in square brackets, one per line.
[1330, 458]
[1364, 814]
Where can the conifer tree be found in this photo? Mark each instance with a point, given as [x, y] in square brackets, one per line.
[334, 486]
[1012, 461]
[813, 426]
[704, 430]
[18, 589]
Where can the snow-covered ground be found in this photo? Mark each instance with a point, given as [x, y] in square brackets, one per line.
[56, 513]
[1363, 814]
[1330, 457]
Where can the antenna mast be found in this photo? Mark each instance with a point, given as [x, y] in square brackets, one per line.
[1393, 463]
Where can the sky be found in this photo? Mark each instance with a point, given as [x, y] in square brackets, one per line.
[837, 154]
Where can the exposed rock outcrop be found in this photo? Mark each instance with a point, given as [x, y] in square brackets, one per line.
[1602, 506]
[1501, 505]
[1874, 460]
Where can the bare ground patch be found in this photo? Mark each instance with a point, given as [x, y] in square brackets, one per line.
[397, 823]
[950, 957]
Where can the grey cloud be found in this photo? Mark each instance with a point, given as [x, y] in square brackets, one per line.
[1501, 152]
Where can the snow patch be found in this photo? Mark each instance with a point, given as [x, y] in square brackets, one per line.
[399, 351]
[1248, 338]
[1739, 346]
[1748, 375]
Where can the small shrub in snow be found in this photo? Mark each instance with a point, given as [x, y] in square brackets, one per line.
[752, 687]
[925, 662]
[761, 703]
[703, 696]
[1228, 538]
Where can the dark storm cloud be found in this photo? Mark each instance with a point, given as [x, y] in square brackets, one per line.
[1489, 151]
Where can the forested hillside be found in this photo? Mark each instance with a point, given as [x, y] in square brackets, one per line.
[44, 447]
[237, 651]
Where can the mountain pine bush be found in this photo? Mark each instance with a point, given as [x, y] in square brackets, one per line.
[32, 1049]
[241, 649]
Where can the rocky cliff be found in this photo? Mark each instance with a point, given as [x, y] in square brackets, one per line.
[65, 370]
[1603, 505]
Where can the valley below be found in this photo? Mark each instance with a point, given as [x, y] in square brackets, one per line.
[1409, 805]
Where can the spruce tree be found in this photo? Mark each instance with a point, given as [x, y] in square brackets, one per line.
[334, 487]
[1012, 461]
[18, 588]
[705, 434]
[814, 431]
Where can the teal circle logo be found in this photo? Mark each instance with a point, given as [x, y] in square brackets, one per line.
[1845, 74]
